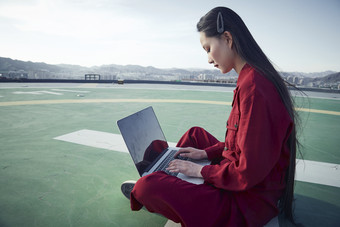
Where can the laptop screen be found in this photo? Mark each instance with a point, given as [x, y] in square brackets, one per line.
[143, 137]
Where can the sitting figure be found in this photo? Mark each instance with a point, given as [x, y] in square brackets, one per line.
[251, 175]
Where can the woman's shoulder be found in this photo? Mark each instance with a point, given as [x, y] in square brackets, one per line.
[254, 85]
[251, 79]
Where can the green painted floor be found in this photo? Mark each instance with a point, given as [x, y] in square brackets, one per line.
[46, 182]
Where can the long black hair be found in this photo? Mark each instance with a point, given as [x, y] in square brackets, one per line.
[214, 24]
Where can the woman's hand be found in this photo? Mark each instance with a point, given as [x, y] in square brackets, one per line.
[193, 153]
[186, 167]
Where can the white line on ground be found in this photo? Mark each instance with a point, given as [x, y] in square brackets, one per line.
[27, 93]
[36, 93]
[74, 91]
[51, 93]
[306, 171]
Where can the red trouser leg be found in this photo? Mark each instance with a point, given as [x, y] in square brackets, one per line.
[183, 202]
[198, 138]
[180, 201]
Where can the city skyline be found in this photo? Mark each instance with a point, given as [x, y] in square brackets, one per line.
[296, 35]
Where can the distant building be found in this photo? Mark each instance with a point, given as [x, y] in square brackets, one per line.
[290, 79]
[205, 77]
[295, 80]
[20, 74]
[92, 76]
[310, 84]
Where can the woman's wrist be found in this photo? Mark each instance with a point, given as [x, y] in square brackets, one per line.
[204, 154]
[199, 172]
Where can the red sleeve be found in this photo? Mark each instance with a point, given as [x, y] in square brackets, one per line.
[262, 124]
[215, 151]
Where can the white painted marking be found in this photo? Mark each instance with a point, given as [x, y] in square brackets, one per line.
[50, 92]
[36, 93]
[306, 171]
[74, 91]
[318, 172]
[96, 139]
[27, 93]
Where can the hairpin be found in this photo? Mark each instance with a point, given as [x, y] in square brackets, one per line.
[220, 24]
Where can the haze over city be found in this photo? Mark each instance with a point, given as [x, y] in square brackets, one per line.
[295, 35]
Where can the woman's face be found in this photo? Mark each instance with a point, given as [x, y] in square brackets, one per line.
[219, 51]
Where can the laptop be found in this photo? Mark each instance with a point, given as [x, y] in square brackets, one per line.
[147, 145]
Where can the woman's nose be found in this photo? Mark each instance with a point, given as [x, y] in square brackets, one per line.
[210, 61]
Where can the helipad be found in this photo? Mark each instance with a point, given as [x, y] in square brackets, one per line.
[49, 181]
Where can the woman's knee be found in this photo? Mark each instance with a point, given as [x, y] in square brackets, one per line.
[195, 129]
[149, 185]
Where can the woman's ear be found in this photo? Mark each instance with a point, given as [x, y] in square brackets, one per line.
[228, 38]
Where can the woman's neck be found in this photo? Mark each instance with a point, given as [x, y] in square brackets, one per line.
[239, 63]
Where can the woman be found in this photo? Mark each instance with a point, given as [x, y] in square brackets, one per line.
[251, 175]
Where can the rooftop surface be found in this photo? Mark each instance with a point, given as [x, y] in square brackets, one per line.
[49, 178]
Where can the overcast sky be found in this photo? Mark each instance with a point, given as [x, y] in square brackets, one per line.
[297, 35]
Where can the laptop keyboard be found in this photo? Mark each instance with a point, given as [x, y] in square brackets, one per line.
[165, 163]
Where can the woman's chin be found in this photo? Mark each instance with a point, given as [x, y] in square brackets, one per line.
[224, 71]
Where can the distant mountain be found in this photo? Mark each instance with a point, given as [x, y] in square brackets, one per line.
[72, 67]
[134, 68]
[329, 79]
[308, 75]
[7, 64]
[112, 71]
[76, 71]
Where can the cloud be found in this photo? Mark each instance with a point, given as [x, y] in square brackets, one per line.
[63, 19]
[159, 33]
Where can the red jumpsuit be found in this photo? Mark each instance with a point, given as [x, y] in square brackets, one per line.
[247, 175]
